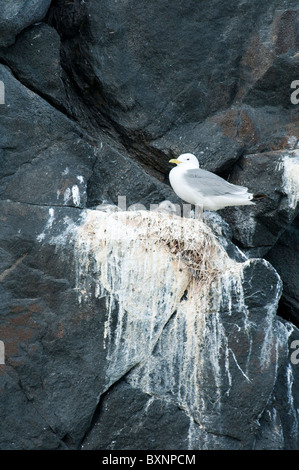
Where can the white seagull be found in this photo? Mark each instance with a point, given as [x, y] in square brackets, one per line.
[203, 188]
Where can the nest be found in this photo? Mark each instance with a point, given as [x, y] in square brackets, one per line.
[189, 241]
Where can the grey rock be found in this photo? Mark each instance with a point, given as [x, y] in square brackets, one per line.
[220, 359]
[224, 235]
[257, 228]
[17, 15]
[187, 82]
[284, 257]
[52, 161]
[35, 60]
[44, 158]
[115, 175]
[146, 423]
[107, 344]
[30, 430]
[286, 392]
[271, 433]
[65, 353]
[49, 370]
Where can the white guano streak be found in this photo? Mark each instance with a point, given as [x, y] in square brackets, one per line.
[290, 165]
[135, 273]
[48, 226]
[293, 412]
[124, 258]
[134, 276]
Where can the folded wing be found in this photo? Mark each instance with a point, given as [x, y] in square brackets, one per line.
[209, 184]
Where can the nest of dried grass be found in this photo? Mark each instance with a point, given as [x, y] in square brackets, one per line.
[190, 241]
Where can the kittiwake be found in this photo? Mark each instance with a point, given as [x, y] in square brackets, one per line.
[203, 188]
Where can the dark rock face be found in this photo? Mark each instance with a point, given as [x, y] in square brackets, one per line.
[106, 335]
[16, 16]
[64, 350]
[38, 327]
[35, 60]
[187, 77]
[284, 257]
[258, 229]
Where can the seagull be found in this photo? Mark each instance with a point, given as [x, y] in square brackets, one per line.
[203, 188]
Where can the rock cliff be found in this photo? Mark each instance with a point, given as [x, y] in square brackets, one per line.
[124, 327]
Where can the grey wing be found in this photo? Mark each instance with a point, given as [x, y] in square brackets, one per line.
[210, 184]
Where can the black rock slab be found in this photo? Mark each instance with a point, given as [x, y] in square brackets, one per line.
[284, 257]
[16, 16]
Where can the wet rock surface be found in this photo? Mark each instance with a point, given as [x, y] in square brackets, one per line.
[142, 330]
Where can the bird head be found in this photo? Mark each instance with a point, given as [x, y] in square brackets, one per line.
[186, 159]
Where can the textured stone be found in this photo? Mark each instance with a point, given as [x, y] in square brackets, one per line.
[142, 330]
[35, 60]
[259, 228]
[44, 158]
[195, 80]
[66, 281]
[18, 15]
[284, 257]
[48, 159]
[49, 362]
[146, 424]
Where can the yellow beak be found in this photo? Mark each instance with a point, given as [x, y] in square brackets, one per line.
[175, 161]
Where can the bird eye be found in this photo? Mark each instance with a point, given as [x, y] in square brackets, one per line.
[188, 158]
